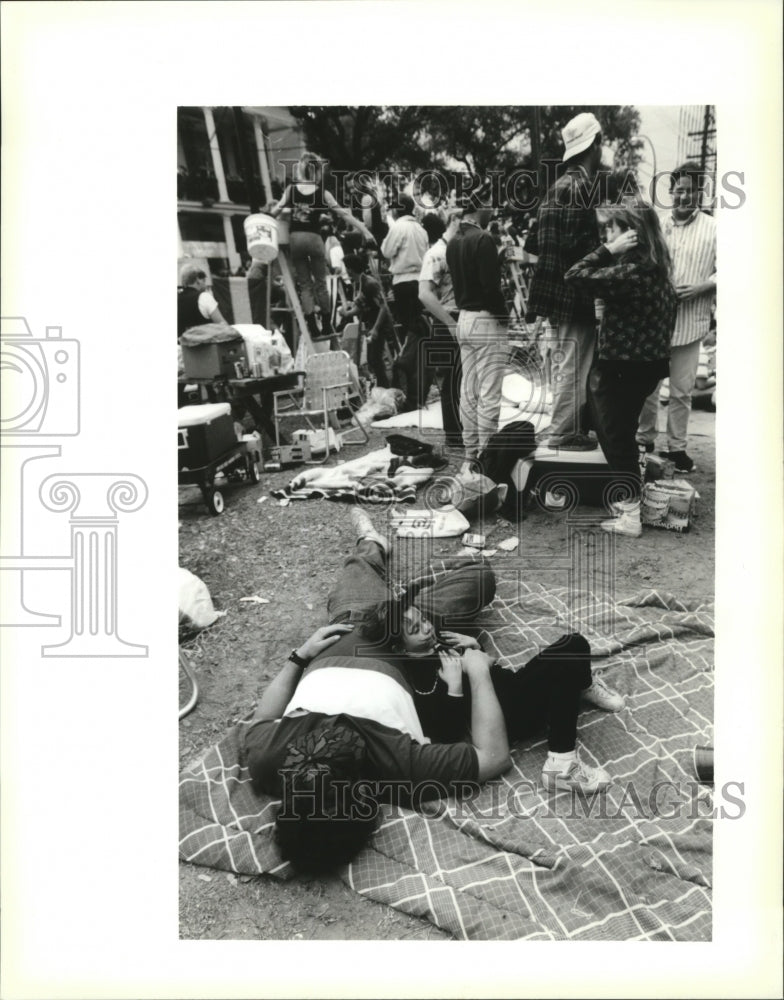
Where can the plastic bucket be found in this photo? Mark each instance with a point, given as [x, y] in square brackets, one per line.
[261, 233]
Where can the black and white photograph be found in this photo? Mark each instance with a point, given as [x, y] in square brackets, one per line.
[477, 569]
[488, 336]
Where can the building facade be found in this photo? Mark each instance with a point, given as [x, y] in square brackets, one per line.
[221, 170]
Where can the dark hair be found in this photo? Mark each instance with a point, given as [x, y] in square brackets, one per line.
[404, 205]
[326, 820]
[642, 218]
[434, 226]
[687, 169]
[384, 623]
[356, 262]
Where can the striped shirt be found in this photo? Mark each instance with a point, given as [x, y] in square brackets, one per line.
[693, 249]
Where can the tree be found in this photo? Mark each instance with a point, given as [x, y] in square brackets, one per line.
[476, 138]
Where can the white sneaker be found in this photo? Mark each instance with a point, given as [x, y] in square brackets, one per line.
[578, 775]
[627, 522]
[603, 696]
[364, 528]
[555, 501]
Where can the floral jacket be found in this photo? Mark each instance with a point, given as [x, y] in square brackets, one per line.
[639, 305]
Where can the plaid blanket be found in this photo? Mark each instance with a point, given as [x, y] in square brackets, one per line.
[378, 491]
[516, 862]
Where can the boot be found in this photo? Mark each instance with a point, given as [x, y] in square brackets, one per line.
[313, 327]
[628, 520]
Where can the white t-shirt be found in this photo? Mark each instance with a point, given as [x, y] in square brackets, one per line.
[367, 694]
[207, 304]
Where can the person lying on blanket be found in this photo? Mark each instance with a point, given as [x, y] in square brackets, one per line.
[382, 681]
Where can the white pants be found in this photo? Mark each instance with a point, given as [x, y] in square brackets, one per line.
[683, 372]
[484, 352]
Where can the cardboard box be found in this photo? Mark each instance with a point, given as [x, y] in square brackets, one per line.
[214, 360]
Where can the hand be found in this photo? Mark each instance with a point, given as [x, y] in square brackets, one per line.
[685, 292]
[458, 639]
[476, 663]
[622, 243]
[451, 671]
[322, 639]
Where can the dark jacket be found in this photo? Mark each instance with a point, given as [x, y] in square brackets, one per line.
[639, 304]
[472, 257]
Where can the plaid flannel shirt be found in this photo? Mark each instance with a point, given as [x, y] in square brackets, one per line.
[566, 230]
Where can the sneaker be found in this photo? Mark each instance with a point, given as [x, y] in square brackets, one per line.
[578, 775]
[363, 528]
[575, 442]
[603, 696]
[680, 460]
[627, 523]
[555, 501]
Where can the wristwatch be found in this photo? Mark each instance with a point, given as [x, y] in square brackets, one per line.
[299, 660]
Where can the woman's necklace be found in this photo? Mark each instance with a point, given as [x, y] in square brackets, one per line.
[423, 693]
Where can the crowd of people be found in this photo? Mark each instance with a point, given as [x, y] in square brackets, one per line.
[623, 291]
[388, 702]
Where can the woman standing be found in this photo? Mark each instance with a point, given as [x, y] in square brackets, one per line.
[307, 200]
[631, 273]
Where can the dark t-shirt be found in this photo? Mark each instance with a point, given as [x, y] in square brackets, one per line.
[406, 770]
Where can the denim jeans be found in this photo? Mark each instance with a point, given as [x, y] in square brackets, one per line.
[615, 397]
[309, 259]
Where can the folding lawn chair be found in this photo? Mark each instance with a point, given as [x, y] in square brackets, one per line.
[328, 388]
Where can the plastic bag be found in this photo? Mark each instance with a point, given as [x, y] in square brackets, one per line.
[195, 603]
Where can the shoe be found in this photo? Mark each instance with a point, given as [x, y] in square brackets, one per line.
[603, 697]
[575, 442]
[364, 528]
[555, 501]
[578, 775]
[680, 460]
[627, 522]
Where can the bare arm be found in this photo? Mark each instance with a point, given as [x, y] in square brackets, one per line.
[216, 316]
[280, 690]
[347, 217]
[488, 730]
[277, 209]
[431, 302]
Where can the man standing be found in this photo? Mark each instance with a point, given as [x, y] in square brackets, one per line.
[567, 230]
[438, 297]
[404, 247]
[482, 332]
[195, 305]
[691, 237]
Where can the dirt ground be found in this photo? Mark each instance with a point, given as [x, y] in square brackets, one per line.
[289, 556]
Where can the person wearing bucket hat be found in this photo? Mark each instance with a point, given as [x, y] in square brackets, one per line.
[308, 200]
[566, 230]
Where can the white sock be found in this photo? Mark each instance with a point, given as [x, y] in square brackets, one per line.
[560, 761]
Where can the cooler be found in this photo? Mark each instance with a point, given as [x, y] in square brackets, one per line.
[581, 476]
[204, 433]
[214, 359]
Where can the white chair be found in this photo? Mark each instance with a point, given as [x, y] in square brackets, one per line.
[328, 387]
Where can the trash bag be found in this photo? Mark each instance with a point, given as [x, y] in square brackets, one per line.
[195, 604]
